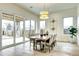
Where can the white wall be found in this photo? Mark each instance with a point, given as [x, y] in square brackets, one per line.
[78, 27]
[58, 17]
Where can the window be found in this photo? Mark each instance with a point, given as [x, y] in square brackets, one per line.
[29, 28]
[67, 23]
[32, 24]
[27, 25]
[42, 24]
[19, 31]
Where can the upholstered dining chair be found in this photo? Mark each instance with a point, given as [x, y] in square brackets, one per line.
[51, 43]
[39, 42]
[54, 40]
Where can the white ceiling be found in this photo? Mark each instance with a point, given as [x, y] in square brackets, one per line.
[51, 7]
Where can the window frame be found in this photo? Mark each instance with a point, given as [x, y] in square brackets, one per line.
[72, 23]
[44, 24]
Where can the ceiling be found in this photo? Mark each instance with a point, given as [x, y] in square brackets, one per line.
[50, 7]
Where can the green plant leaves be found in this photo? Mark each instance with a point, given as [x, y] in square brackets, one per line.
[73, 31]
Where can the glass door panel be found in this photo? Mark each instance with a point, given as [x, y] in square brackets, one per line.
[19, 31]
[27, 29]
[7, 32]
[32, 28]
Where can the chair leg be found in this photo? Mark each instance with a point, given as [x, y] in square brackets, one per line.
[49, 49]
[45, 48]
[40, 45]
[54, 43]
[36, 46]
[30, 43]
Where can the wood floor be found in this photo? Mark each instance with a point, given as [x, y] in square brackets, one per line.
[61, 49]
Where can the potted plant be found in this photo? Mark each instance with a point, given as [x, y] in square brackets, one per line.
[73, 32]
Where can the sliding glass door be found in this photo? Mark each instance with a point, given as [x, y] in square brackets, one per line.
[32, 32]
[12, 30]
[19, 30]
[7, 32]
[15, 30]
[29, 29]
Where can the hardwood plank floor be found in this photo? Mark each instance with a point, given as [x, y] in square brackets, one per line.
[61, 49]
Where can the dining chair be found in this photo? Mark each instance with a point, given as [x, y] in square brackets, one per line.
[38, 42]
[50, 44]
[54, 40]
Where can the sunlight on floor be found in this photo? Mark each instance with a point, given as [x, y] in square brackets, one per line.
[7, 40]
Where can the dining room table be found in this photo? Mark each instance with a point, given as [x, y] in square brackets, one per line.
[39, 38]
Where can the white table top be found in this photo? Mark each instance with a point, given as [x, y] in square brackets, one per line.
[40, 38]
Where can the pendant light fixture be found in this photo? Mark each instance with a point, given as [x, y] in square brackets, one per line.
[44, 14]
